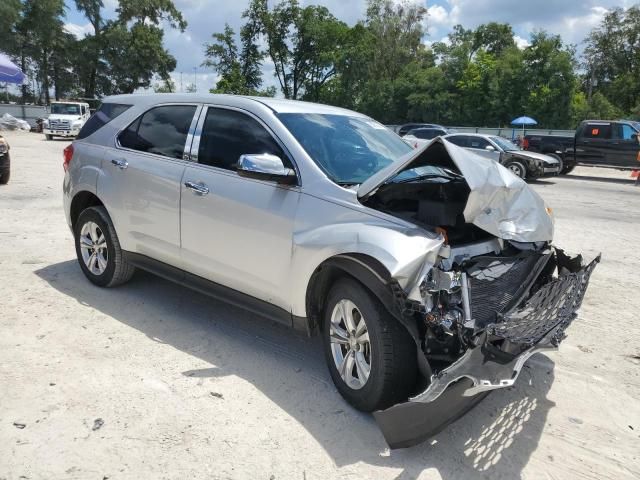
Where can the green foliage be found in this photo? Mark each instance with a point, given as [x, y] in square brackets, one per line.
[167, 86]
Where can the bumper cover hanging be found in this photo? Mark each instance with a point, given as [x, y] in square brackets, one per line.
[537, 325]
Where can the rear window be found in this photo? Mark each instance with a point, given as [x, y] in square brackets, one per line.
[106, 113]
[597, 130]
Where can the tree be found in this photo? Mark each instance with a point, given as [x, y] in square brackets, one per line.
[301, 43]
[91, 46]
[612, 58]
[9, 17]
[550, 80]
[41, 30]
[167, 86]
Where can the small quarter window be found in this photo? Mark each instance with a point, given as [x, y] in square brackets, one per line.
[106, 113]
[598, 130]
[161, 130]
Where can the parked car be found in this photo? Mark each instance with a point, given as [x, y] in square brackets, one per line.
[596, 142]
[522, 163]
[5, 161]
[65, 119]
[419, 137]
[404, 129]
[429, 274]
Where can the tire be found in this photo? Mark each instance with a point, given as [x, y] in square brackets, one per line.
[517, 168]
[568, 169]
[49, 137]
[5, 175]
[559, 158]
[390, 351]
[110, 267]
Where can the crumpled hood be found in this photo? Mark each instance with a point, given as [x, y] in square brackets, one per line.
[499, 202]
[537, 156]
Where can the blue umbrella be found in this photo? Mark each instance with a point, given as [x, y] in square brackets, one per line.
[9, 72]
[523, 121]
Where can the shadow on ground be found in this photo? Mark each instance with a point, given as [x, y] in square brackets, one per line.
[623, 181]
[495, 440]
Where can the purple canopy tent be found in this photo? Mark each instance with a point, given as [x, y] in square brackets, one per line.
[9, 72]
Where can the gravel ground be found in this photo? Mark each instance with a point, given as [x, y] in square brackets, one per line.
[151, 380]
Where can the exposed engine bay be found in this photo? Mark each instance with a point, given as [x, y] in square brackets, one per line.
[497, 293]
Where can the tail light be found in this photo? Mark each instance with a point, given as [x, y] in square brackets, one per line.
[525, 144]
[67, 155]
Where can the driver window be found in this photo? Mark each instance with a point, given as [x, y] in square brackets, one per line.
[84, 109]
[227, 134]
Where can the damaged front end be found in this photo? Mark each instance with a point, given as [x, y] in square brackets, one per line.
[498, 293]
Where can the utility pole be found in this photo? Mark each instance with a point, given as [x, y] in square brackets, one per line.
[181, 90]
[195, 79]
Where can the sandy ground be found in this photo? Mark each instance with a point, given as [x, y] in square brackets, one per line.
[151, 380]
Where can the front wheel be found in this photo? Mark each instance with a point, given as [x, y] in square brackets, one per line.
[98, 249]
[517, 169]
[371, 357]
[49, 137]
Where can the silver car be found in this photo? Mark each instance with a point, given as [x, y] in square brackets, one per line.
[429, 274]
[523, 163]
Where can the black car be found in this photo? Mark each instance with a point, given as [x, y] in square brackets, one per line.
[5, 162]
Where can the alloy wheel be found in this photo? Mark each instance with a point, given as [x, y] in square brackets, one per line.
[93, 246]
[350, 345]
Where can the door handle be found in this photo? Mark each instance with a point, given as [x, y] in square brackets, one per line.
[121, 164]
[197, 188]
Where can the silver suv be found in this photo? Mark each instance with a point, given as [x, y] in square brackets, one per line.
[429, 274]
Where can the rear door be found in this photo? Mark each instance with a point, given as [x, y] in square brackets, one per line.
[625, 146]
[237, 231]
[142, 177]
[593, 143]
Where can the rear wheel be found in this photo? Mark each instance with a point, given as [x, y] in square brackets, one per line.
[568, 169]
[371, 357]
[98, 249]
[517, 168]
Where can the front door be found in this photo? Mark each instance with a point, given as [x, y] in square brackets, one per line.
[142, 181]
[625, 147]
[593, 143]
[236, 231]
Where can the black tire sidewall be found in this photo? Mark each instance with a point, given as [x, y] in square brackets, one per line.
[559, 158]
[367, 397]
[93, 215]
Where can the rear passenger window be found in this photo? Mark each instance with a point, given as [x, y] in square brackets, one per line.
[227, 134]
[597, 130]
[106, 113]
[161, 130]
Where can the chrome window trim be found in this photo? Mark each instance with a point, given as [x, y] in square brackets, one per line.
[196, 114]
[195, 146]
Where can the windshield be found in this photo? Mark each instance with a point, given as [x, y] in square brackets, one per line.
[65, 109]
[505, 144]
[348, 149]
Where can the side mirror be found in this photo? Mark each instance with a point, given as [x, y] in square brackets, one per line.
[636, 137]
[264, 166]
[490, 148]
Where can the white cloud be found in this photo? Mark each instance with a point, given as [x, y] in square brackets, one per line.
[79, 31]
[521, 43]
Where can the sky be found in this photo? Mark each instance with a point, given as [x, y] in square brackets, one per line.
[572, 19]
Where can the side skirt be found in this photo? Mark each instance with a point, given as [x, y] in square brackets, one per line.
[217, 291]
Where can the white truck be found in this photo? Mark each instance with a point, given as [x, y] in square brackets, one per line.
[65, 119]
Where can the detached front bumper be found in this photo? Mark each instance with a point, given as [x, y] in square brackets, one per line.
[501, 350]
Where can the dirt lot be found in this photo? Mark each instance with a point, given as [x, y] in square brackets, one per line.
[151, 380]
